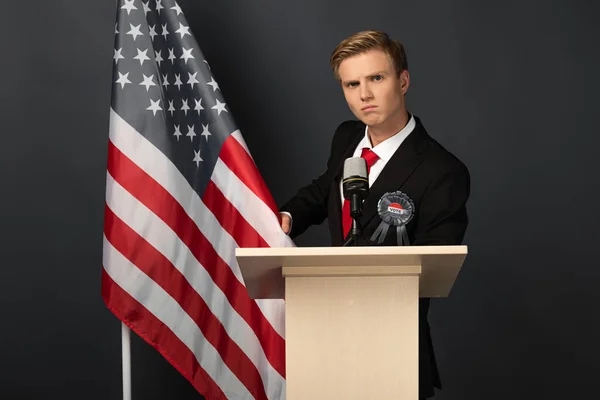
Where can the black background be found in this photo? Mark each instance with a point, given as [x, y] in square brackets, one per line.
[511, 87]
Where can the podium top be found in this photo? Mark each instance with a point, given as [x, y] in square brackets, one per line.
[438, 265]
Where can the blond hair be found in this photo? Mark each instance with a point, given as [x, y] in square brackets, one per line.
[361, 42]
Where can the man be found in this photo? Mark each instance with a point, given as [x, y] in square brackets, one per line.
[406, 166]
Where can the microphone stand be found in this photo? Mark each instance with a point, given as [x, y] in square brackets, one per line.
[353, 239]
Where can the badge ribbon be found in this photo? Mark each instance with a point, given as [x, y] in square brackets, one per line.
[395, 209]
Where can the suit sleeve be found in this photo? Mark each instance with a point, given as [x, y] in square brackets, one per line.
[309, 205]
[443, 217]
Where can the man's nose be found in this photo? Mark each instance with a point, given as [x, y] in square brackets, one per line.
[365, 92]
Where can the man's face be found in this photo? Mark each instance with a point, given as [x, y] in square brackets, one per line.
[372, 89]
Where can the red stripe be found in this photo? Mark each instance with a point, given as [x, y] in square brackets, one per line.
[230, 218]
[150, 261]
[153, 331]
[241, 164]
[160, 201]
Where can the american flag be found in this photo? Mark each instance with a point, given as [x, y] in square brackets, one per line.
[182, 193]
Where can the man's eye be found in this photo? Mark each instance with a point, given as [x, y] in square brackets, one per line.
[352, 84]
[377, 77]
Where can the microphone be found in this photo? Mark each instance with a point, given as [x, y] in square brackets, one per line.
[355, 186]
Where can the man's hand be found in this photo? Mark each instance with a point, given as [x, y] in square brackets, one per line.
[286, 223]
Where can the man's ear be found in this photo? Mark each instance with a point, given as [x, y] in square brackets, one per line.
[404, 81]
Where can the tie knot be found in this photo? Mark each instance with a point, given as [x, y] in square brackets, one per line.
[369, 156]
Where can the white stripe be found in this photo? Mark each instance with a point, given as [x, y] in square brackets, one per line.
[158, 234]
[168, 311]
[252, 208]
[161, 169]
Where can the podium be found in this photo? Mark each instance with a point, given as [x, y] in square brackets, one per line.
[351, 314]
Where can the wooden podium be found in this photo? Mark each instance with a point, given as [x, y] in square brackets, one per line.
[351, 314]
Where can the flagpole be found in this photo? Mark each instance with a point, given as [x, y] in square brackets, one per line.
[126, 360]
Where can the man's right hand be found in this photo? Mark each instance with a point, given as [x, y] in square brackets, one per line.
[286, 223]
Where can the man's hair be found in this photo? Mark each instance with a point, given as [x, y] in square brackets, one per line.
[361, 42]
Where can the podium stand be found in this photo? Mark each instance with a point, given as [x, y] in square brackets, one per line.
[351, 314]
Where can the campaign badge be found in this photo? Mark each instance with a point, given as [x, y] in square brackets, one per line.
[395, 209]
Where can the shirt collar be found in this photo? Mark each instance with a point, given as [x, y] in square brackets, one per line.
[386, 149]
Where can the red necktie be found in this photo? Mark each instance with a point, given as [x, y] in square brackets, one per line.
[370, 157]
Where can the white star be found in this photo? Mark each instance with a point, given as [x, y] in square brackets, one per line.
[219, 107]
[172, 56]
[198, 106]
[129, 6]
[158, 57]
[197, 158]
[214, 84]
[148, 81]
[154, 107]
[142, 56]
[177, 8]
[171, 108]
[177, 132]
[183, 30]
[191, 133]
[205, 132]
[192, 79]
[184, 106]
[152, 32]
[146, 7]
[165, 32]
[135, 31]
[187, 54]
[178, 82]
[123, 79]
[166, 80]
[159, 6]
[117, 56]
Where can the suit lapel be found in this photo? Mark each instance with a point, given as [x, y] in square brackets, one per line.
[397, 170]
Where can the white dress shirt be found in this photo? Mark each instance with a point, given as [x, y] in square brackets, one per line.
[384, 150]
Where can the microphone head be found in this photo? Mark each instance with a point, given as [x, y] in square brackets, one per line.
[355, 167]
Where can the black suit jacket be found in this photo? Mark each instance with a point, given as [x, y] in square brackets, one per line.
[437, 182]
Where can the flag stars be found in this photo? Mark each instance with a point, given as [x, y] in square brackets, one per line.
[123, 79]
[192, 79]
[187, 54]
[152, 32]
[205, 132]
[135, 31]
[146, 7]
[198, 106]
[197, 159]
[191, 133]
[165, 32]
[166, 81]
[117, 55]
[214, 84]
[184, 106]
[154, 106]
[171, 107]
[158, 57]
[177, 9]
[219, 107]
[178, 82]
[148, 81]
[129, 6]
[172, 56]
[159, 6]
[183, 30]
[177, 132]
[142, 56]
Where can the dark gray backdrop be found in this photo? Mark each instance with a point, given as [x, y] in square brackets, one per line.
[511, 87]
